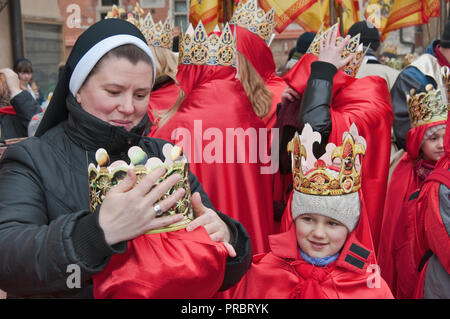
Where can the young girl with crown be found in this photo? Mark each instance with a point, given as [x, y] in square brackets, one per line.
[320, 252]
[330, 98]
[424, 147]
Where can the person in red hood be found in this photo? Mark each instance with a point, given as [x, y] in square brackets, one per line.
[221, 130]
[424, 147]
[320, 252]
[330, 98]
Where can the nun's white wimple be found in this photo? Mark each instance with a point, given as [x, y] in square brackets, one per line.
[91, 57]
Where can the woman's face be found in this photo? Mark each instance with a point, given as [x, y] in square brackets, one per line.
[118, 93]
[25, 77]
[320, 236]
[433, 147]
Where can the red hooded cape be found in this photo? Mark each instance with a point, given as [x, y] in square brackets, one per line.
[394, 250]
[171, 265]
[282, 273]
[365, 102]
[260, 56]
[425, 221]
[216, 110]
[162, 99]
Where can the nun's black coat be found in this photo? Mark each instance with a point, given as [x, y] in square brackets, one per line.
[45, 221]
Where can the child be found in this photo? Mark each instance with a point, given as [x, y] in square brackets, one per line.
[320, 253]
[424, 147]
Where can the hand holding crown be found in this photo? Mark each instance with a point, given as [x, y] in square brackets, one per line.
[331, 51]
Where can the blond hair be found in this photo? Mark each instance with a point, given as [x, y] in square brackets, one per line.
[257, 92]
[167, 63]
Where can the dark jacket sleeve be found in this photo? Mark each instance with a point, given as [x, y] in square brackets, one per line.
[25, 106]
[316, 101]
[35, 247]
[409, 78]
[240, 240]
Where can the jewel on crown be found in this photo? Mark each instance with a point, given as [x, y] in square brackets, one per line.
[248, 15]
[197, 48]
[102, 177]
[337, 172]
[352, 47]
[156, 34]
[426, 107]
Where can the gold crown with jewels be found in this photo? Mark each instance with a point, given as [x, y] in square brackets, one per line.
[156, 34]
[102, 177]
[353, 47]
[337, 172]
[197, 48]
[426, 107]
[248, 15]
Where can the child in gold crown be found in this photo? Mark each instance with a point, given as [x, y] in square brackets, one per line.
[319, 253]
[424, 147]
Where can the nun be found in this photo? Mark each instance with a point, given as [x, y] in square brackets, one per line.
[52, 245]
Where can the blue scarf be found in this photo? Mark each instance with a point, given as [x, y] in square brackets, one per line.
[319, 262]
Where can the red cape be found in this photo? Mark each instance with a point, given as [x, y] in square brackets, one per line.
[249, 43]
[215, 106]
[282, 273]
[426, 225]
[172, 265]
[394, 250]
[365, 102]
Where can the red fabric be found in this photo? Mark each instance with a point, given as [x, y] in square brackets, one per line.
[372, 113]
[230, 173]
[7, 110]
[442, 60]
[173, 265]
[260, 56]
[394, 250]
[162, 99]
[282, 273]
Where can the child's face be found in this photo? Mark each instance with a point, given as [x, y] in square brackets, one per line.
[320, 236]
[433, 147]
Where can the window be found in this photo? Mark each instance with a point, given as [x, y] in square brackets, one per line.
[181, 13]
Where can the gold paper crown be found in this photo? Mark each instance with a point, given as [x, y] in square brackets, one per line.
[197, 48]
[254, 19]
[426, 107]
[324, 176]
[103, 177]
[391, 48]
[156, 34]
[352, 47]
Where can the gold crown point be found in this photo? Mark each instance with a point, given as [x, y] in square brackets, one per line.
[426, 107]
[317, 176]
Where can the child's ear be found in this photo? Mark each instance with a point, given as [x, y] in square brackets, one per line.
[78, 97]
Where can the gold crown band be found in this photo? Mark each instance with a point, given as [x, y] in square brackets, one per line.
[248, 15]
[353, 47]
[426, 107]
[322, 179]
[197, 48]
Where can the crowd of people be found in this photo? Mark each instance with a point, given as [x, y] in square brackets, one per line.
[207, 173]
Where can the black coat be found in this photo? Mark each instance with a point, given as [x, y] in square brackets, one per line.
[45, 221]
[12, 126]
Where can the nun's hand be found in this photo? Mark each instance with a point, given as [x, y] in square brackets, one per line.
[216, 227]
[12, 81]
[127, 211]
[331, 53]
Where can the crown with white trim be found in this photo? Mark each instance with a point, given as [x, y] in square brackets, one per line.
[102, 177]
[337, 172]
[250, 16]
[353, 47]
[197, 48]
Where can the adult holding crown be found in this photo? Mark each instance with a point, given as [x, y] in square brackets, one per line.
[222, 125]
[324, 93]
[50, 230]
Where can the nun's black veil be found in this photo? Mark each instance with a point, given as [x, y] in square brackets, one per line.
[57, 111]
